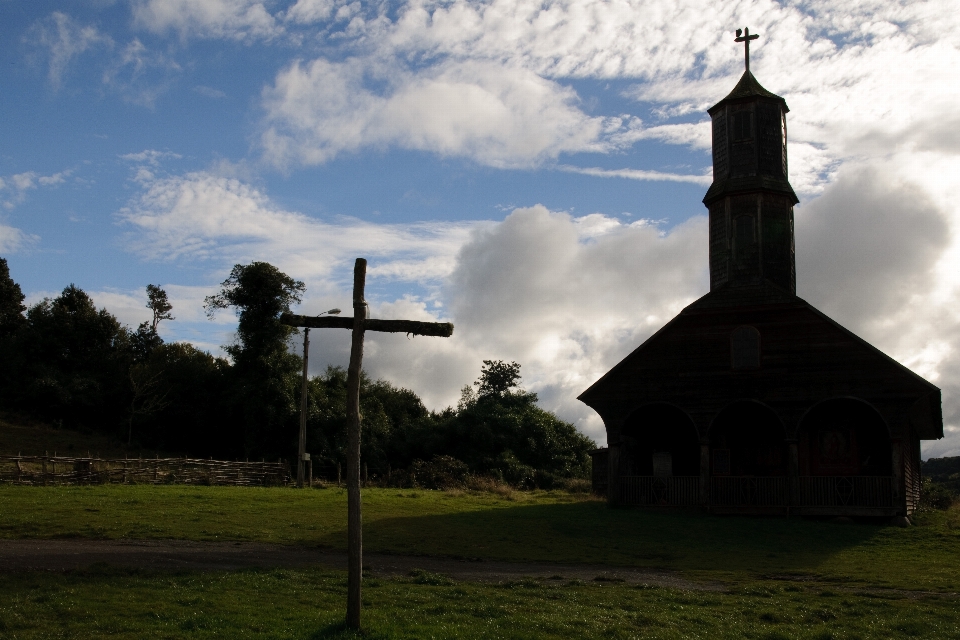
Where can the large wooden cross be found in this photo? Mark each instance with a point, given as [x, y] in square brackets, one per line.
[359, 323]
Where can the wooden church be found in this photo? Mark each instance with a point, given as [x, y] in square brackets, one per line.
[751, 400]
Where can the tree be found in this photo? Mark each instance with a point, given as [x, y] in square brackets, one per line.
[501, 430]
[11, 321]
[147, 395]
[265, 374]
[497, 378]
[11, 302]
[74, 361]
[259, 293]
[158, 303]
[192, 415]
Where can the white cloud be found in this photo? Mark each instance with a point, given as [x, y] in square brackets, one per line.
[566, 297]
[151, 157]
[13, 189]
[310, 11]
[232, 19]
[496, 115]
[13, 240]
[638, 174]
[202, 216]
[139, 74]
[64, 40]
[210, 92]
[879, 252]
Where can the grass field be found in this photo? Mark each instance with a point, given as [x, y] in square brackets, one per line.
[783, 577]
[104, 602]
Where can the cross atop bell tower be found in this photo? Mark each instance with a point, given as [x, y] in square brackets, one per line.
[745, 37]
[751, 200]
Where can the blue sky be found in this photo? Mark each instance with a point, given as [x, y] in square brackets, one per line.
[531, 171]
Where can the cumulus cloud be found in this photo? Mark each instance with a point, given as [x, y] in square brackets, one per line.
[867, 247]
[232, 19]
[496, 115]
[566, 297]
[879, 253]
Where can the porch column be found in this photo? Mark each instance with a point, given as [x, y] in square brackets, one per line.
[704, 474]
[793, 469]
[613, 473]
[899, 495]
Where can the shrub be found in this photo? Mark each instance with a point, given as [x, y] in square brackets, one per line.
[934, 495]
[441, 472]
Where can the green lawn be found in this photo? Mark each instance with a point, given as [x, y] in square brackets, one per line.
[103, 602]
[832, 580]
[538, 526]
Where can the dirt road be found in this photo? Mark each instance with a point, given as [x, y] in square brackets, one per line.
[66, 554]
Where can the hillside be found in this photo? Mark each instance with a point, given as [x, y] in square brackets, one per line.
[28, 437]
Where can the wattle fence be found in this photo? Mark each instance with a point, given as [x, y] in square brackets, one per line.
[54, 470]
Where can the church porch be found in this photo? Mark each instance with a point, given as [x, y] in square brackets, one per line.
[841, 462]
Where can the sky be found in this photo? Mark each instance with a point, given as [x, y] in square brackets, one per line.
[530, 171]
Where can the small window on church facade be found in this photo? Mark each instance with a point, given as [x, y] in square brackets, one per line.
[745, 348]
[742, 128]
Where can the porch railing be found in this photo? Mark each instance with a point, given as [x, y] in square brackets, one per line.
[846, 491]
[674, 491]
[744, 491]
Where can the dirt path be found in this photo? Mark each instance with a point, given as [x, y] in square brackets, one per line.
[62, 555]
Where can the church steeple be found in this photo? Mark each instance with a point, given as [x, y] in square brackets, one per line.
[751, 200]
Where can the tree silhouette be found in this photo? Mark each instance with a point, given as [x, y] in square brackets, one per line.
[158, 303]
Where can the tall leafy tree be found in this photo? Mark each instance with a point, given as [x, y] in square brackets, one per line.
[158, 303]
[146, 339]
[74, 361]
[11, 321]
[11, 302]
[265, 373]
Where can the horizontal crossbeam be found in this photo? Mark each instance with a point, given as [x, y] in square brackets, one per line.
[413, 327]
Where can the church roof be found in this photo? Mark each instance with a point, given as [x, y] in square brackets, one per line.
[748, 87]
[808, 358]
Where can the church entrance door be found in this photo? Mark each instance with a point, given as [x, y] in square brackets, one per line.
[748, 457]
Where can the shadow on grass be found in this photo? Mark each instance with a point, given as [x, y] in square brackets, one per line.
[591, 532]
[339, 631]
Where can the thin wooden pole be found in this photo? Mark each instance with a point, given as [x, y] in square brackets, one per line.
[303, 410]
[354, 520]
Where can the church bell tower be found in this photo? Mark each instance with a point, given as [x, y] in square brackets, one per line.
[750, 201]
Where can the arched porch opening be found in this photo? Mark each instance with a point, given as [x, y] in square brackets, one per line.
[660, 457]
[844, 437]
[844, 456]
[747, 439]
[660, 439]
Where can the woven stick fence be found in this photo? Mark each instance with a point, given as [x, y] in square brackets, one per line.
[53, 470]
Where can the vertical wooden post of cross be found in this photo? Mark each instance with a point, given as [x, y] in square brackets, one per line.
[354, 521]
